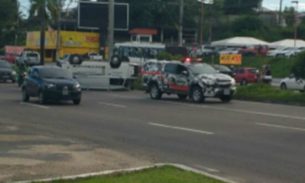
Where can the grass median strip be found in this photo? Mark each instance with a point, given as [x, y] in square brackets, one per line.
[266, 93]
[166, 174]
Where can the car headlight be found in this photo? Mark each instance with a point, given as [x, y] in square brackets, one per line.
[13, 73]
[77, 86]
[209, 82]
[233, 82]
[50, 85]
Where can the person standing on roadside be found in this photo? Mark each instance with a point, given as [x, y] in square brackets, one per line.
[267, 75]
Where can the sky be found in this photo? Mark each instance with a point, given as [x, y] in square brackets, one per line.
[270, 4]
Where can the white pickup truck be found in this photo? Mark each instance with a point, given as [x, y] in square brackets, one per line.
[29, 58]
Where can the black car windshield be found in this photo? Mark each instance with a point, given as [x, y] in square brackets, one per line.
[5, 65]
[55, 73]
[198, 69]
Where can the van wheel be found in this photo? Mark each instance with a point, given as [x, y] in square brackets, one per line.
[182, 97]
[75, 60]
[244, 82]
[155, 92]
[77, 101]
[197, 94]
[115, 62]
[42, 98]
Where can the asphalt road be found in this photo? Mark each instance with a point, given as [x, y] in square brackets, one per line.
[243, 141]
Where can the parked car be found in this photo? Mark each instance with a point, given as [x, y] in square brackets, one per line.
[203, 50]
[229, 51]
[292, 53]
[224, 70]
[280, 52]
[29, 58]
[187, 79]
[10, 57]
[7, 72]
[51, 83]
[291, 83]
[254, 50]
[246, 75]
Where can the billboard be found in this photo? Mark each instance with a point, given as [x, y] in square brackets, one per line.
[227, 59]
[94, 15]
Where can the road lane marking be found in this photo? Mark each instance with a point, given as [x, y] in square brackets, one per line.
[34, 105]
[181, 128]
[112, 104]
[207, 169]
[282, 127]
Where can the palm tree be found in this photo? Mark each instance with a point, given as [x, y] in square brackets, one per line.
[44, 10]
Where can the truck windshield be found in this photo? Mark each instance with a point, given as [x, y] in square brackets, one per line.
[198, 69]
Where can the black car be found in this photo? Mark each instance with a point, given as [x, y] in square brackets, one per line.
[7, 72]
[224, 70]
[51, 83]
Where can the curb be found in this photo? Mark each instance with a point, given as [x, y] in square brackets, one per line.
[107, 172]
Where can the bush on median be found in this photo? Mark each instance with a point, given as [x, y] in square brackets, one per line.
[267, 93]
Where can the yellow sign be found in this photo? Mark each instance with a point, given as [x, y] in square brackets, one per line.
[68, 39]
[227, 59]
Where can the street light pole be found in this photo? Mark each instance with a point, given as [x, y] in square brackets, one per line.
[110, 28]
[296, 23]
[181, 23]
[280, 13]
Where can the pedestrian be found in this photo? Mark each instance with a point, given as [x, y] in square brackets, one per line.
[260, 49]
[267, 75]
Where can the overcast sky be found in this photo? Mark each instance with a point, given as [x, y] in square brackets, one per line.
[271, 4]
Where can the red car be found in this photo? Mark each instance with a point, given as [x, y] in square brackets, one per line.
[10, 57]
[254, 50]
[246, 75]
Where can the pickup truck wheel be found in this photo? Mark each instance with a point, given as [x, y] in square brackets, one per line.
[25, 96]
[182, 97]
[197, 94]
[226, 98]
[155, 92]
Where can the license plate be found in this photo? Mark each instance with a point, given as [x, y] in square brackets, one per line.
[65, 92]
[227, 92]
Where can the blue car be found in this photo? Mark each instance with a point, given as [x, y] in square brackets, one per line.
[51, 83]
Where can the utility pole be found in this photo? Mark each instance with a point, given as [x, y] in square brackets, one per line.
[201, 23]
[59, 7]
[181, 23]
[280, 13]
[110, 28]
[296, 22]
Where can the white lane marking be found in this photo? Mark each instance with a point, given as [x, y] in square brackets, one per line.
[34, 105]
[266, 104]
[282, 127]
[181, 128]
[224, 109]
[112, 104]
[207, 169]
[126, 96]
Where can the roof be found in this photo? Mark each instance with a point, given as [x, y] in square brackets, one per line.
[288, 43]
[239, 41]
[144, 31]
[137, 44]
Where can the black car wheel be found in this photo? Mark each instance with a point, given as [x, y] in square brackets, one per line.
[77, 101]
[182, 97]
[283, 86]
[155, 92]
[13, 81]
[42, 98]
[226, 98]
[197, 94]
[25, 96]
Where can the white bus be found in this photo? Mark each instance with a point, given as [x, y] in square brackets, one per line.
[136, 52]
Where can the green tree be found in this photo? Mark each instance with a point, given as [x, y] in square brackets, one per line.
[289, 16]
[236, 7]
[6, 18]
[44, 10]
[247, 26]
[298, 68]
